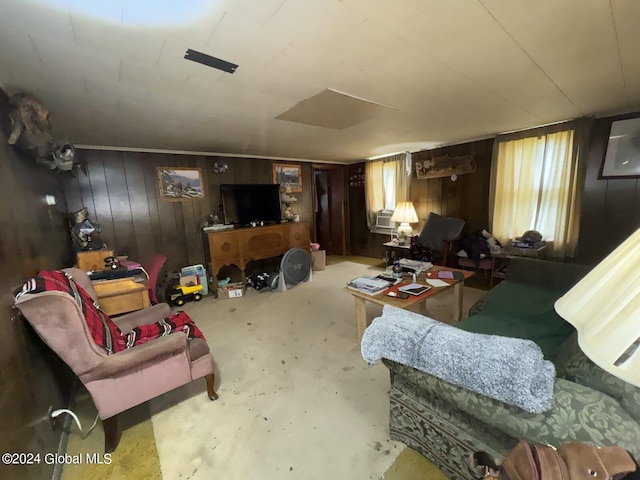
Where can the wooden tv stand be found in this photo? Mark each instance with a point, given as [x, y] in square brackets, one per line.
[239, 246]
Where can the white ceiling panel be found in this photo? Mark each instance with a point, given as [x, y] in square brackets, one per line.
[497, 64]
[76, 60]
[365, 45]
[36, 16]
[625, 17]
[114, 73]
[151, 76]
[120, 40]
[394, 16]
[272, 81]
[570, 41]
[190, 22]
[242, 39]
[16, 48]
[312, 22]
[14, 77]
[116, 90]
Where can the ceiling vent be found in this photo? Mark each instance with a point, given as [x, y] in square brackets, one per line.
[210, 61]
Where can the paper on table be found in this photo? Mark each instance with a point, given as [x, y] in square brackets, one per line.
[445, 274]
[434, 282]
[371, 282]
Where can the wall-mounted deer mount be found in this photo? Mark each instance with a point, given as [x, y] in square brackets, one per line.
[31, 131]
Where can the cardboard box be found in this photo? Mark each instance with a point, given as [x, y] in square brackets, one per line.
[189, 280]
[232, 290]
[200, 272]
[318, 259]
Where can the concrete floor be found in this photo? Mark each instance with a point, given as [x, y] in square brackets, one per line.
[296, 398]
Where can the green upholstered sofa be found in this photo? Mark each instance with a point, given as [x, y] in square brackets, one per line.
[446, 423]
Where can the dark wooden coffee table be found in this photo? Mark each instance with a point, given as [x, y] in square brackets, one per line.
[361, 299]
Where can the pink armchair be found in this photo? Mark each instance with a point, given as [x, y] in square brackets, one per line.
[121, 380]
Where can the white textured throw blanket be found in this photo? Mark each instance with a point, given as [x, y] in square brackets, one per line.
[511, 370]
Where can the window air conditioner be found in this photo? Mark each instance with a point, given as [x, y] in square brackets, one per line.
[383, 219]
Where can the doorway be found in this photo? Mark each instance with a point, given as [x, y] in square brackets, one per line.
[329, 208]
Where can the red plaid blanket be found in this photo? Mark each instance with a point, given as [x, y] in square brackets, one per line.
[103, 330]
[176, 322]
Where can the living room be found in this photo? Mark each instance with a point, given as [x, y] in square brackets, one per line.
[120, 191]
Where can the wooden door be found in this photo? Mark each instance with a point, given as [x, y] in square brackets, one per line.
[329, 208]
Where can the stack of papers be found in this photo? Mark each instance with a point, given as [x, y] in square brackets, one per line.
[369, 285]
[434, 282]
[415, 266]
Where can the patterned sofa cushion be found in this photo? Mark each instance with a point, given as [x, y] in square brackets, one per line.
[576, 367]
[578, 412]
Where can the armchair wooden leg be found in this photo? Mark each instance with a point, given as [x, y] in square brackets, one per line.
[210, 379]
[111, 433]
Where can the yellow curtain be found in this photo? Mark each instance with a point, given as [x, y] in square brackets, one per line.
[387, 182]
[402, 180]
[537, 187]
[373, 191]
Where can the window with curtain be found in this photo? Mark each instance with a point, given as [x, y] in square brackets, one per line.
[536, 185]
[386, 184]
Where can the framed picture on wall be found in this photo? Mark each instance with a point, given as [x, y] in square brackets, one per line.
[180, 183]
[622, 158]
[288, 176]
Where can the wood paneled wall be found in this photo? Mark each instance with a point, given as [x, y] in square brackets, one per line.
[121, 193]
[610, 207]
[467, 197]
[33, 236]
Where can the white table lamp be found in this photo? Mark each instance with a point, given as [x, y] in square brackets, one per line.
[605, 309]
[405, 214]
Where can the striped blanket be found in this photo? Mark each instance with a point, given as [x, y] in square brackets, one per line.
[104, 331]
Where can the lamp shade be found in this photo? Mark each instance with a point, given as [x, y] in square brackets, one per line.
[404, 213]
[605, 309]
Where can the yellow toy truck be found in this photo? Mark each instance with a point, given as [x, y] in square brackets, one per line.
[178, 295]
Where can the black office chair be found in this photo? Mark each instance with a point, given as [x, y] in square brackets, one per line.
[436, 242]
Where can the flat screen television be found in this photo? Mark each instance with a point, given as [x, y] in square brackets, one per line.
[245, 203]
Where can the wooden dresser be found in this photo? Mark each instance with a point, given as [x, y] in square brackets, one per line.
[240, 246]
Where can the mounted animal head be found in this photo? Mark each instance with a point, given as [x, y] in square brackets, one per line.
[62, 157]
[31, 132]
[30, 124]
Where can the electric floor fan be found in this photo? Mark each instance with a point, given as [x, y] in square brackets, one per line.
[295, 268]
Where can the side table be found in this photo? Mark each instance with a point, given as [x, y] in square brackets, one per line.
[395, 251]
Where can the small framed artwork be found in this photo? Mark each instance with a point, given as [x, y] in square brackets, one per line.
[180, 183]
[622, 158]
[288, 176]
